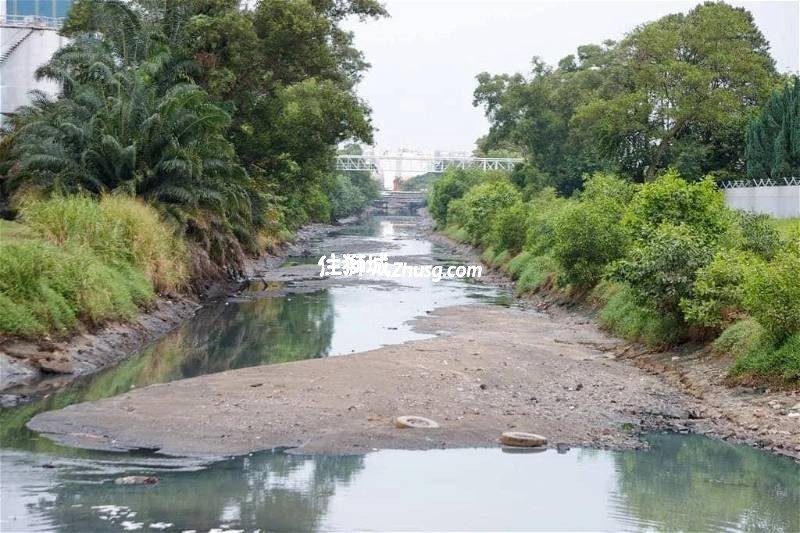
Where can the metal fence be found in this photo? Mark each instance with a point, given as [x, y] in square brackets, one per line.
[768, 182]
[31, 21]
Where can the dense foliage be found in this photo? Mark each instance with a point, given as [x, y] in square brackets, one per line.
[773, 139]
[665, 260]
[667, 95]
[225, 118]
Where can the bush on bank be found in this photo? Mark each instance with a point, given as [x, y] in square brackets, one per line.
[665, 261]
[83, 262]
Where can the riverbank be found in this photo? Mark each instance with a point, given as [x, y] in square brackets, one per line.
[757, 416]
[488, 369]
[31, 369]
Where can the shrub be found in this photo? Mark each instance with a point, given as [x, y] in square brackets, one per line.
[671, 200]
[626, 317]
[772, 293]
[588, 237]
[346, 198]
[119, 230]
[456, 213]
[718, 293]
[482, 203]
[316, 205]
[544, 211]
[510, 227]
[602, 186]
[661, 271]
[756, 233]
[453, 184]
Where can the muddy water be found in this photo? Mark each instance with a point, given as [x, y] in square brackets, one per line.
[686, 483]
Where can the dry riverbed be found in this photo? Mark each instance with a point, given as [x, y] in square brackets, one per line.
[491, 369]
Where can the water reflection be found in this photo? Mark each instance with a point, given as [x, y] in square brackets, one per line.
[682, 483]
[697, 484]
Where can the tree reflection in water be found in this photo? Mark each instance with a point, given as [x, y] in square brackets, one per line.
[270, 491]
[219, 337]
[691, 483]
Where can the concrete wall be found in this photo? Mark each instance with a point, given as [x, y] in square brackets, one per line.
[17, 71]
[779, 201]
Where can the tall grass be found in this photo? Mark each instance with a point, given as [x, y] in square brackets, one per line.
[80, 261]
[119, 230]
[46, 288]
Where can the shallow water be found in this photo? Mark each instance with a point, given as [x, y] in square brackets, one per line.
[686, 483]
[683, 483]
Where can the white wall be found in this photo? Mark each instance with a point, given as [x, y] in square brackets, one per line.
[780, 201]
[17, 72]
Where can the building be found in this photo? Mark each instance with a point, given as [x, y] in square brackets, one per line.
[28, 37]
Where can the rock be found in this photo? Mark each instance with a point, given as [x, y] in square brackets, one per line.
[414, 422]
[61, 365]
[795, 407]
[794, 415]
[562, 448]
[520, 438]
[23, 349]
[136, 480]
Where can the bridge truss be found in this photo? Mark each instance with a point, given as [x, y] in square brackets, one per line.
[419, 164]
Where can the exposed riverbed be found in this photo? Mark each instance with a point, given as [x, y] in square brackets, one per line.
[682, 482]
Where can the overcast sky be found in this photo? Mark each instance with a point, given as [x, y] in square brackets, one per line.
[426, 54]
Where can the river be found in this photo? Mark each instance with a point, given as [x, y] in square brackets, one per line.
[682, 482]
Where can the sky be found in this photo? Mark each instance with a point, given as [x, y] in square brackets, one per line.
[426, 55]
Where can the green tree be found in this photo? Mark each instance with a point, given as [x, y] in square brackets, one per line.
[773, 139]
[676, 92]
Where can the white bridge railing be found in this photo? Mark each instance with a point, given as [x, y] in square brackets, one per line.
[379, 163]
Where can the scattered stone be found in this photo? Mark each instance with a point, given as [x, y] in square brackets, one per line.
[414, 422]
[520, 438]
[794, 415]
[562, 448]
[256, 384]
[482, 386]
[136, 480]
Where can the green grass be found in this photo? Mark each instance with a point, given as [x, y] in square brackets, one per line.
[14, 232]
[74, 261]
[46, 288]
[624, 317]
[739, 338]
[766, 361]
[457, 233]
[786, 226]
[537, 271]
[518, 264]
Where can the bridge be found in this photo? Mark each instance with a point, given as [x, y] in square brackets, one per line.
[392, 201]
[406, 164]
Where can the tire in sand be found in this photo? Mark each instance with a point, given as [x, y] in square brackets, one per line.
[522, 439]
[414, 422]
